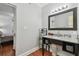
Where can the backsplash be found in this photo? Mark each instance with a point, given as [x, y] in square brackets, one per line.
[72, 34]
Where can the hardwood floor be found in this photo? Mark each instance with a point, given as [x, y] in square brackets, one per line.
[39, 53]
[6, 49]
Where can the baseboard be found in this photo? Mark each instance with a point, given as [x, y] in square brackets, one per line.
[29, 51]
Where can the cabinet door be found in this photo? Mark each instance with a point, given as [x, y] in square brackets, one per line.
[69, 47]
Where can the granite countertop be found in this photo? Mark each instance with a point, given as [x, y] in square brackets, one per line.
[72, 40]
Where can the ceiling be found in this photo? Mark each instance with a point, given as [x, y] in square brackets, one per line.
[41, 4]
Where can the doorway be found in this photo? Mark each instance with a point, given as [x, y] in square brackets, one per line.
[7, 29]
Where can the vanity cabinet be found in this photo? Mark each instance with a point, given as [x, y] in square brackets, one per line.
[69, 47]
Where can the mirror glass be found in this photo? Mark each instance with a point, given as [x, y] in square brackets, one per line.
[62, 21]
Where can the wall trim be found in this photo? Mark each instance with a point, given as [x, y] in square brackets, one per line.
[29, 51]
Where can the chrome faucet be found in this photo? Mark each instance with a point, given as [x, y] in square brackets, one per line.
[67, 35]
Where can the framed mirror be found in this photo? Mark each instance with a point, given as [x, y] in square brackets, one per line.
[66, 20]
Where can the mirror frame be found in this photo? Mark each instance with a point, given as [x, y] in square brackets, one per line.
[74, 19]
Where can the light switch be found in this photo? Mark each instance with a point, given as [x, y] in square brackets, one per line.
[25, 27]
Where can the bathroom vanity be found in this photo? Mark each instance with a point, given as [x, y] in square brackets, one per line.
[65, 42]
[65, 21]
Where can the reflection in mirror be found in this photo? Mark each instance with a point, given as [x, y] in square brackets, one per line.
[62, 21]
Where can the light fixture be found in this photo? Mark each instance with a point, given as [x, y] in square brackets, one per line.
[65, 6]
[60, 8]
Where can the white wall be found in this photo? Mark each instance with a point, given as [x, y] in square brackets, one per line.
[46, 11]
[28, 24]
